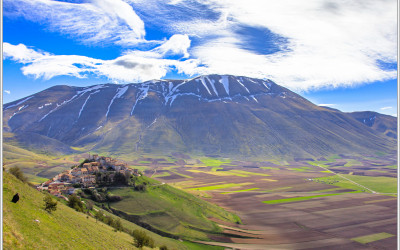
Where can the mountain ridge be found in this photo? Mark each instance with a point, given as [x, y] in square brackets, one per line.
[220, 114]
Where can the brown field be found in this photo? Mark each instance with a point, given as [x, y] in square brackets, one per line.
[328, 222]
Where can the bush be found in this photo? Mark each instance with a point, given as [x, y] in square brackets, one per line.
[163, 247]
[16, 171]
[75, 202]
[49, 204]
[99, 216]
[142, 239]
[89, 204]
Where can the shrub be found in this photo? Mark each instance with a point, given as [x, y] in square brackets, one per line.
[75, 202]
[89, 204]
[99, 216]
[163, 247]
[49, 204]
[16, 171]
[142, 239]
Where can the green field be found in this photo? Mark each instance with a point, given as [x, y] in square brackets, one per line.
[221, 186]
[301, 169]
[239, 191]
[302, 198]
[379, 184]
[163, 174]
[213, 162]
[172, 210]
[372, 237]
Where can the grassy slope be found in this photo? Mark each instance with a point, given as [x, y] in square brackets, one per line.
[34, 165]
[172, 210]
[62, 229]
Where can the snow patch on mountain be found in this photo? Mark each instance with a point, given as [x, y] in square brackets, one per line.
[204, 84]
[212, 83]
[225, 82]
[87, 99]
[19, 103]
[241, 84]
[119, 94]
[141, 95]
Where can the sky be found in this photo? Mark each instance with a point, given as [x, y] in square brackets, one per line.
[337, 53]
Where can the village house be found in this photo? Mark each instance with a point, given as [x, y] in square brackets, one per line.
[85, 175]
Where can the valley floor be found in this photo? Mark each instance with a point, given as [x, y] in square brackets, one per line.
[298, 205]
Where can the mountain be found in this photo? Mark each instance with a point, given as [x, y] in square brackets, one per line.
[385, 124]
[215, 114]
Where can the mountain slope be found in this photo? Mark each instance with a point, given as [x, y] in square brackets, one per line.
[226, 115]
[385, 124]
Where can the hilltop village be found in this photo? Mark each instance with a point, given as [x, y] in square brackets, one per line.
[93, 172]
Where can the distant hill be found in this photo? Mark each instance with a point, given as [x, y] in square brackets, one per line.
[385, 124]
[216, 114]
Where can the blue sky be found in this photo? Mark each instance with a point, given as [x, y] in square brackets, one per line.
[342, 54]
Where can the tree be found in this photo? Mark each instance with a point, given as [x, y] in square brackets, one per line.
[49, 204]
[120, 179]
[16, 171]
[163, 247]
[118, 225]
[142, 239]
[99, 216]
[75, 202]
[89, 204]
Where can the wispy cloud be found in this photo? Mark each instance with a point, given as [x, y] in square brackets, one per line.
[134, 66]
[385, 108]
[7, 91]
[95, 21]
[326, 43]
[327, 105]
[317, 43]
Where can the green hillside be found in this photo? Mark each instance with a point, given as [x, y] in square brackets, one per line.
[37, 167]
[26, 225]
[171, 210]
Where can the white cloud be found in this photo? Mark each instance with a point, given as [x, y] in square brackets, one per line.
[96, 21]
[7, 91]
[329, 43]
[21, 53]
[327, 105]
[134, 66]
[385, 108]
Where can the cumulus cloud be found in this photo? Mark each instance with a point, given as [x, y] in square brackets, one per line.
[94, 21]
[131, 67]
[7, 91]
